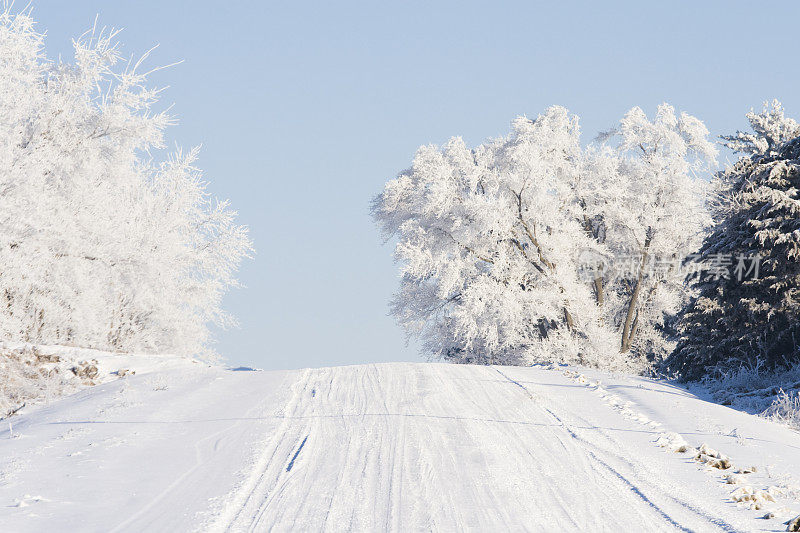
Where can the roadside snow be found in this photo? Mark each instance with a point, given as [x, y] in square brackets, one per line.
[37, 374]
[393, 446]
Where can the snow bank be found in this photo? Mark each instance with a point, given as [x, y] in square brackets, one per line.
[772, 394]
[32, 374]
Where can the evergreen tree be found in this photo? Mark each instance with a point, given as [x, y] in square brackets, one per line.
[747, 310]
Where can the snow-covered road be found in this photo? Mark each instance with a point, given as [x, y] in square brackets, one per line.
[402, 447]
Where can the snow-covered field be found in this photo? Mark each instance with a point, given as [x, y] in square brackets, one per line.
[403, 447]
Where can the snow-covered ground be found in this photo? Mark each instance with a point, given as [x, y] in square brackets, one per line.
[401, 447]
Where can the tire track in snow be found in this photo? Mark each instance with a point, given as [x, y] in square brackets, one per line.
[294, 457]
[593, 447]
[597, 459]
[744, 495]
[256, 483]
[445, 447]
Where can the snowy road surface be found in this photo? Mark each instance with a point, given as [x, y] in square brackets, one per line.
[400, 447]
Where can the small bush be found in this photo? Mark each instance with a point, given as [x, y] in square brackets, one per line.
[30, 375]
[786, 409]
[773, 394]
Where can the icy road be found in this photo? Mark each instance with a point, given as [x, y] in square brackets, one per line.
[393, 447]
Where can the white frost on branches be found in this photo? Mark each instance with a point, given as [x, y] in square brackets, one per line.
[641, 189]
[493, 241]
[771, 129]
[102, 246]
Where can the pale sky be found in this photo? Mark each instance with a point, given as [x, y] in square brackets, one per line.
[305, 109]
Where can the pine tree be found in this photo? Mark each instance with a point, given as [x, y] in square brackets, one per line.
[747, 311]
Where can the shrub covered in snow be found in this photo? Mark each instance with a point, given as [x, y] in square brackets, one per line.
[785, 408]
[30, 374]
[774, 394]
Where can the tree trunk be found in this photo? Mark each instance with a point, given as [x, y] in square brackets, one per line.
[627, 329]
[568, 319]
[531, 234]
[631, 320]
[598, 236]
[598, 291]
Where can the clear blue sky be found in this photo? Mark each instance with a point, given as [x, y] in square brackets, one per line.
[305, 109]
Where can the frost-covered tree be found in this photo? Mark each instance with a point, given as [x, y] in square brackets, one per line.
[771, 130]
[488, 239]
[495, 241]
[748, 308]
[644, 201]
[101, 245]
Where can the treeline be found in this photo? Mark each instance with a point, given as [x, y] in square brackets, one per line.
[620, 255]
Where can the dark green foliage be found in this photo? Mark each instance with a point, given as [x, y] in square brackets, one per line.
[741, 319]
